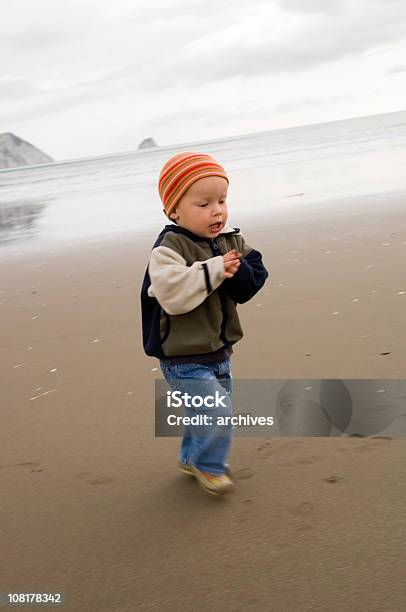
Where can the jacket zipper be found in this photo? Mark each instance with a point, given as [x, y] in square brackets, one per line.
[216, 251]
[215, 247]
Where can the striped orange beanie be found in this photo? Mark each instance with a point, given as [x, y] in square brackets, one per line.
[180, 171]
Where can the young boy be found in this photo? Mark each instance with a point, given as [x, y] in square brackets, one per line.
[198, 270]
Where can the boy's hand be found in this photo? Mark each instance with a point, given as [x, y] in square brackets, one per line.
[231, 263]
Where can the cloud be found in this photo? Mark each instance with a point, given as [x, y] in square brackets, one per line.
[269, 43]
[287, 107]
[54, 98]
[184, 43]
[15, 87]
[396, 69]
[169, 10]
[200, 62]
[312, 6]
[332, 7]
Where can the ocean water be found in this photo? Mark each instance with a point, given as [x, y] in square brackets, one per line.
[270, 172]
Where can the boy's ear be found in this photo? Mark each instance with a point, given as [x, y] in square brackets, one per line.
[174, 215]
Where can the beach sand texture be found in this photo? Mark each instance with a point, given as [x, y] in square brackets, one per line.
[92, 503]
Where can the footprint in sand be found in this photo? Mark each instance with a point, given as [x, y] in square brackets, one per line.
[333, 479]
[260, 448]
[305, 508]
[264, 450]
[304, 527]
[93, 480]
[243, 474]
[302, 512]
[301, 461]
[35, 467]
[307, 460]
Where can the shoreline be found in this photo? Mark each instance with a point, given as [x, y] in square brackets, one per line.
[377, 204]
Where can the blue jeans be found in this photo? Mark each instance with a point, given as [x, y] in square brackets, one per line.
[206, 448]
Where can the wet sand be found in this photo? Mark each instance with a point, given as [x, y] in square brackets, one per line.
[92, 503]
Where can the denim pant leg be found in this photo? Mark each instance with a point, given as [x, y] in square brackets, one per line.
[186, 445]
[172, 376]
[213, 447]
[206, 447]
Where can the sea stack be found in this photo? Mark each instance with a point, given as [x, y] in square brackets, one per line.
[147, 143]
[16, 152]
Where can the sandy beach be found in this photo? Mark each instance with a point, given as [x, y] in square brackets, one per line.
[92, 504]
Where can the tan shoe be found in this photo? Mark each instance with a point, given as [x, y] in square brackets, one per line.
[185, 468]
[215, 484]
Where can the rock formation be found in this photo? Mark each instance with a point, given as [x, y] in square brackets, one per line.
[147, 143]
[16, 152]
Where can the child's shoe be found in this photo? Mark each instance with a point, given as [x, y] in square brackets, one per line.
[215, 484]
[185, 468]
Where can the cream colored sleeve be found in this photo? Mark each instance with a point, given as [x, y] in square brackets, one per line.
[180, 288]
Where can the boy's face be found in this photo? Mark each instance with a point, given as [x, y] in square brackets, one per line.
[203, 207]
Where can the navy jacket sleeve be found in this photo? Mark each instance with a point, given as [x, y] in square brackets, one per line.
[249, 278]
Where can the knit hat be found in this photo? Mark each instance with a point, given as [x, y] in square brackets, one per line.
[181, 171]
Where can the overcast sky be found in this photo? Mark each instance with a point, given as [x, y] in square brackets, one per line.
[89, 77]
